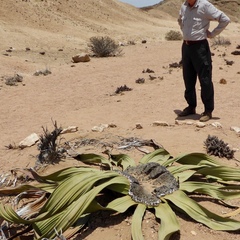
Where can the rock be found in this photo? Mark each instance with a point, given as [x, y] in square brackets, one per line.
[69, 129]
[177, 122]
[200, 124]
[193, 233]
[152, 77]
[216, 125]
[236, 129]
[112, 125]
[29, 141]
[100, 128]
[139, 126]
[83, 57]
[140, 80]
[160, 123]
[235, 52]
[223, 81]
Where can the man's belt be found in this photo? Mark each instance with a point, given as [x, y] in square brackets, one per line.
[189, 42]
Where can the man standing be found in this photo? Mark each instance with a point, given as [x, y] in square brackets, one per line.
[194, 20]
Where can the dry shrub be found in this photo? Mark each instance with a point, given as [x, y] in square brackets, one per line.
[13, 81]
[173, 35]
[104, 47]
[49, 151]
[220, 41]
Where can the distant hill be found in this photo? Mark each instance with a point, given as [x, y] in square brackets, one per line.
[76, 20]
[171, 7]
[46, 22]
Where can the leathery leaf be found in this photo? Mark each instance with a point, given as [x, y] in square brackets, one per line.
[193, 159]
[221, 172]
[69, 216]
[201, 214]
[215, 191]
[136, 227]
[62, 174]
[121, 204]
[160, 156]
[10, 215]
[169, 222]
[73, 188]
[123, 160]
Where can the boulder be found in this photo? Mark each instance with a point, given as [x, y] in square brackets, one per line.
[83, 57]
[29, 141]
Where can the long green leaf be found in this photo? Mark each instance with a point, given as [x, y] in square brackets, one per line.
[160, 155]
[121, 204]
[123, 160]
[136, 227]
[201, 214]
[169, 222]
[182, 168]
[70, 215]
[92, 158]
[193, 159]
[184, 176]
[221, 172]
[7, 213]
[61, 175]
[215, 191]
[122, 187]
[73, 188]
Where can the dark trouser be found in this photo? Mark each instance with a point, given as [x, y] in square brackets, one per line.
[197, 62]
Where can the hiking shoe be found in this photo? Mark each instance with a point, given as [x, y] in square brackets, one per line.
[187, 111]
[205, 116]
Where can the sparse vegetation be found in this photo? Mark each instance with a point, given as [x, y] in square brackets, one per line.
[49, 152]
[42, 72]
[13, 81]
[219, 40]
[120, 184]
[173, 35]
[104, 47]
[123, 88]
[217, 147]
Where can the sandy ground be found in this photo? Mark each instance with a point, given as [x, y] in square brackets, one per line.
[82, 95]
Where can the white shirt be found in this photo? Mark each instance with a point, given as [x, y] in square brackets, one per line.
[195, 21]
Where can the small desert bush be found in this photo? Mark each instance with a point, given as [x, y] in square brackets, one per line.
[173, 35]
[104, 47]
[13, 81]
[220, 41]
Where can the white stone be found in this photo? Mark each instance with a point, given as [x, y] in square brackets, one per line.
[200, 124]
[177, 122]
[70, 129]
[193, 233]
[160, 123]
[236, 129]
[29, 141]
[100, 128]
[216, 124]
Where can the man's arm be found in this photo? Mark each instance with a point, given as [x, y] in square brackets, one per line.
[214, 14]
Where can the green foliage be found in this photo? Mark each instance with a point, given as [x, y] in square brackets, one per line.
[104, 47]
[173, 35]
[69, 196]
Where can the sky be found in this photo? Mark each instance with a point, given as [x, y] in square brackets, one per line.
[141, 3]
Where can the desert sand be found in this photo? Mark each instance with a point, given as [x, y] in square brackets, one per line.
[82, 94]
